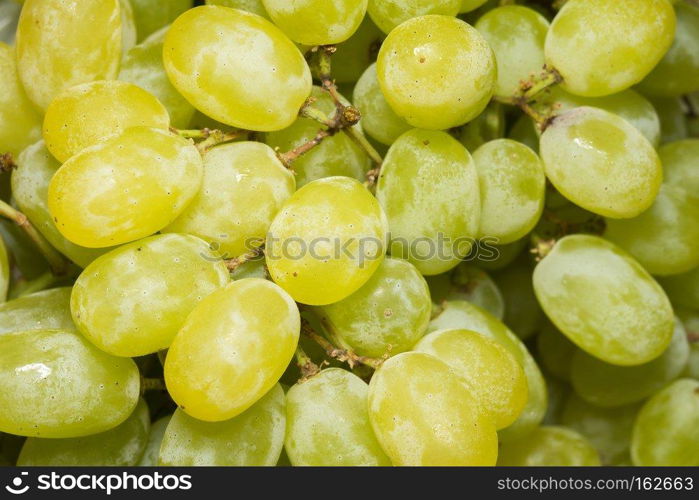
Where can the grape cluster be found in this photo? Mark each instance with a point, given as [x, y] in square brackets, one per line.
[349, 232]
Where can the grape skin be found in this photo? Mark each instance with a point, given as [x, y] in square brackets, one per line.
[549, 446]
[45, 310]
[387, 14]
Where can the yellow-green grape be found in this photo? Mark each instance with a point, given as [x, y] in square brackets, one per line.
[30, 190]
[56, 384]
[387, 14]
[677, 73]
[128, 26]
[244, 186]
[133, 300]
[436, 72]
[386, 316]
[517, 36]
[429, 190]
[673, 122]
[254, 6]
[601, 162]
[121, 446]
[512, 186]
[525, 131]
[253, 438]
[608, 385]
[681, 164]
[666, 432]
[523, 315]
[4, 271]
[326, 241]
[423, 414]
[579, 286]
[487, 126]
[45, 310]
[470, 283]
[602, 47]
[355, 54]
[378, 119]
[143, 66]
[317, 22]
[683, 289]
[125, 188]
[549, 446]
[328, 422]
[469, 5]
[336, 155]
[462, 315]
[151, 15]
[236, 67]
[233, 347]
[87, 114]
[20, 123]
[555, 352]
[155, 439]
[665, 238]
[61, 44]
[492, 373]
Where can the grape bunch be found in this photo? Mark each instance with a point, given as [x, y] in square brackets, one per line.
[349, 232]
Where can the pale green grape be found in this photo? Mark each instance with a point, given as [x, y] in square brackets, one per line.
[683, 289]
[681, 164]
[155, 439]
[487, 126]
[666, 432]
[151, 15]
[4, 271]
[387, 14]
[555, 351]
[523, 315]
[328, 423]
[469, 5]
[253, 438]
[128, 25]
[579, 285]
[673, 124]
[549, 446]
[236, 67]
[429, 190]
[121, 446]
[45, 310]
[601, 162]
[58, 385]
[233, 347]
[467, 282]
[602, 47]
[436, 72]
[125, 188]
[424, 414]
[253, 6]
[354, 55]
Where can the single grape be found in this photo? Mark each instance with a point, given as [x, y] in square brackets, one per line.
[470, 283]
[355, 55]
[680, 164]
[128, 26]
[387, 14]
[487, 126]
[253, 6]
[152, 15]
[549, 446]
[45, 310]
[155, 439]
[523, 315]
[555, 352]
[673, 123]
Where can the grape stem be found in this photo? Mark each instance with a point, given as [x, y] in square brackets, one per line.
[289, 157]
[343, 355]
[529, 90]
[236, 262]
[306, 365]
[7, 163]
[25, 287]
[541, 247]
[210, 137]
[152, 384]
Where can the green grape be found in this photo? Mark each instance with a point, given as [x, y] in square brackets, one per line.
[601, 162]
[121, 446]
[677, 73]
[607, 385]
[237, 68]
[388, 14]
[525, 131]
[602, 47]
[487, 126]
[492, 374]
[89, 113]
[436, 72]
[244, 334]
[252, 438]
[20, 124]
[354, 55]
[522, 311]
[4, 271]
[549, 446]
[604, 301]
[143, 66]
[555, 352]
[378, 119]
[495, 257]
[125, 188]
[128, 26]
[336, 155]
[151, 15]
[244, 186]
[133, 300]
[423, 414]
[58, 385]
[429, 189]
[666, 432]
[45, 310]
[326, 241]
[61, 44]
[386, 316]
[469, 5]
[512, 186]
[155, 439]
[253, 6]
[517, 36]
[680, 164]
[467, 282]
[328, 422]
[462, 315]
[683, 289]
[673, 123]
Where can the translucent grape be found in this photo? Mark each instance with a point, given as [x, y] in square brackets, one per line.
[467, 282]
[354, 55]
[673, 123]
[523, 315]
[683, 289]
[387, 14]
[155, 439]
[45, 310]
[680, 164]
[254, 6]
[151, 15]
[549, 446]
[555, 351]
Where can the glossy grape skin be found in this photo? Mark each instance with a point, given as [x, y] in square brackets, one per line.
[388, 14]
[328, 423]
[253, 6]
[152, 15]
[549, 446]
[436, 72]
[666, 431]
[58, 385]
[121, 446]
[61, 44]
[236, 67]
[681, 164]
[517, 36]
[324, 215]
[125, 188]
[386, 316]
[601, 162]
[155, 439]
[222, 339]
[601, 47]
[673, 123]
[423, 414]
[555, 352]
[429, 189]
[354, 55]
[45, 310]
[683, 289]
[470, 283]
[253, 438]
[523, 315]
[20, 124]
